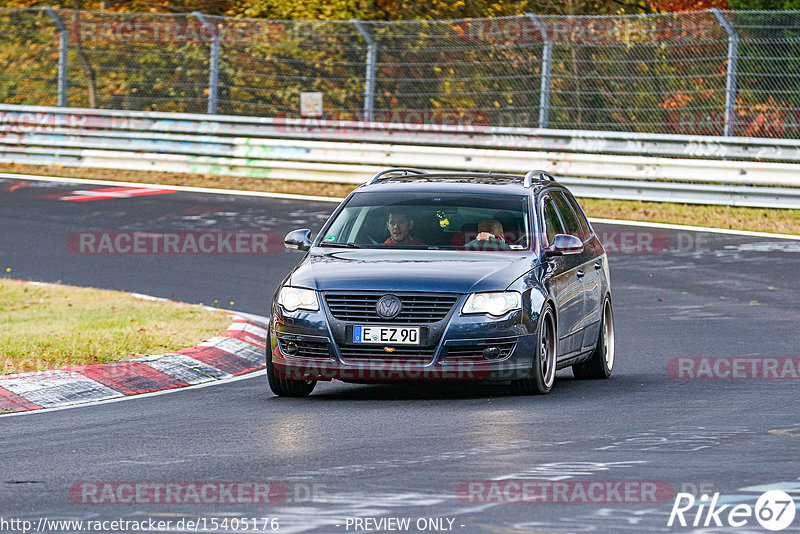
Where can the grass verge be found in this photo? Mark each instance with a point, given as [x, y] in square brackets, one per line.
[45, 327]
[779, 221]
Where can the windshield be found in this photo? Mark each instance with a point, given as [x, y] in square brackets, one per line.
[450, 221]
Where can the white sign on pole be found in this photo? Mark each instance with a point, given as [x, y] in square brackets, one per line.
[311, 104]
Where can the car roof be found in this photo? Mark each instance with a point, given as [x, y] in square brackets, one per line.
[484, 183]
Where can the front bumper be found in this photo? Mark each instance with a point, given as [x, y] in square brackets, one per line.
[304, 347]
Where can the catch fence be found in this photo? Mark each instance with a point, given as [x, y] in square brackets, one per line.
[707, 73]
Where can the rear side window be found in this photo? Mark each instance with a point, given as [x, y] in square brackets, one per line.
[586, 228]
[552, 222]
[571, 224]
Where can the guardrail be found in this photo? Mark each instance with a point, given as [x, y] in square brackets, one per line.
[594, 164]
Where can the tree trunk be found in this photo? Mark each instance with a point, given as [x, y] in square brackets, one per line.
[91, 76]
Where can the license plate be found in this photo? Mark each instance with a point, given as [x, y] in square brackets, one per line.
[386, 335]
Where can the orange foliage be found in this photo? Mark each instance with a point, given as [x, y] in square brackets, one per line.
[765, 120]
[675, 100]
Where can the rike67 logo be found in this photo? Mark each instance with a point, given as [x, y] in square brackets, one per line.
[774, 510]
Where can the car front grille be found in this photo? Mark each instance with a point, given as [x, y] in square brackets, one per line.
[377, 355]
[417, 307]
[474, 353]
[311, 350]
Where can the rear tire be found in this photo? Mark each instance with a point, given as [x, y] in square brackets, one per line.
[601, 362]
[543, 373]
[285, 387]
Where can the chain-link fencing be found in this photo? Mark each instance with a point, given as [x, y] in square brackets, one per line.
[712, 72]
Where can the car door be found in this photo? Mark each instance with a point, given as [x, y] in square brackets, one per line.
[565, 283]
[593, 279]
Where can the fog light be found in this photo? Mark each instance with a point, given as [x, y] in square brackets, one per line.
[291, 348]
[491, 353]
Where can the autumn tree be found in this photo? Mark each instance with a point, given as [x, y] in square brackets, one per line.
[675, 6]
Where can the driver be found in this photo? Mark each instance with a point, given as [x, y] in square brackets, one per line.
[490, 237]
[400, 225]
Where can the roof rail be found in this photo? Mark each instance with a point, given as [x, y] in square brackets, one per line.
[539, 175]
[405, 170]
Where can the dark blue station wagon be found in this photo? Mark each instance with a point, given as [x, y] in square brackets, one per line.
[418, 276]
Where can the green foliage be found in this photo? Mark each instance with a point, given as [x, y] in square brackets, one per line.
[764, 4]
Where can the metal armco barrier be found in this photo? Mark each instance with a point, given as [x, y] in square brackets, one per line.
[721, 170]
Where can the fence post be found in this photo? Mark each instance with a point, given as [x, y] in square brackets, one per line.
[213, 61]
[730, 84]
[547, 61]
[63, 49]
[372, 56]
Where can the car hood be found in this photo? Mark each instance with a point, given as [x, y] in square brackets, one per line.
[410, 270]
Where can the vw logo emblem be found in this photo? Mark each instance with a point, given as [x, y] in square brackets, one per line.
[388, 306]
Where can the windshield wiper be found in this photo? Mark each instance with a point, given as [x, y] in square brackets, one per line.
[340, 245]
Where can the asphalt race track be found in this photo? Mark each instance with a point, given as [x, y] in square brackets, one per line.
[384, 452]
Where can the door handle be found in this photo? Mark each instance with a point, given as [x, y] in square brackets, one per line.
[598, 264]
[580, 273]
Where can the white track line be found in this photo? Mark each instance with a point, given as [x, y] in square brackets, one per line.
[694, 228]
[265, 194]
[183, 188]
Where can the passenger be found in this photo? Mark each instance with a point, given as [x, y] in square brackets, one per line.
[490, 237]
[400, 225]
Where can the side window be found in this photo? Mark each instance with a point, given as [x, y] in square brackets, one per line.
[552, 222]
[586, 228]
[571, 224]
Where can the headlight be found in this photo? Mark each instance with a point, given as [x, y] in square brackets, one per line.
[294, 298]
[497, 304]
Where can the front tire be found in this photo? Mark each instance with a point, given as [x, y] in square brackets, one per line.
[285, 387]
[601, 362]
[543, 373]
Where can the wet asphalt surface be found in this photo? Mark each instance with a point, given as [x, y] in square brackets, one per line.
[404, 452]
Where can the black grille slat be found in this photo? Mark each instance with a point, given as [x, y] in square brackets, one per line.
[419, 308]
[465, 352]
[308, 349]
[475, 352]
[378, 349]
[314, 349]
[376, 354]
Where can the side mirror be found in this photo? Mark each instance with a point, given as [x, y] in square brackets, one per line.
[564, 244]
[298, 239]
